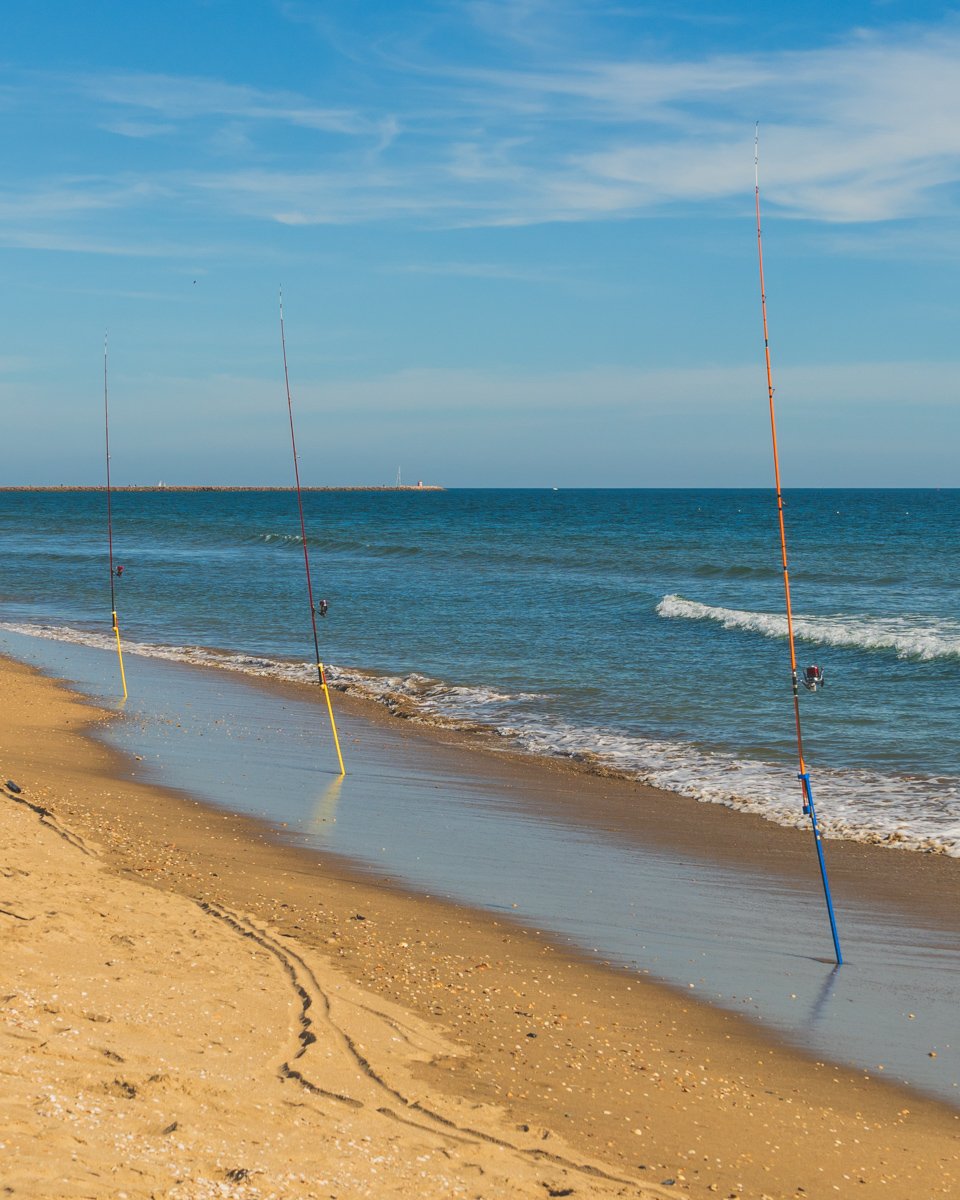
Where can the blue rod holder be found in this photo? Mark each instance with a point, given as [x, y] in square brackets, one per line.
[810, 811]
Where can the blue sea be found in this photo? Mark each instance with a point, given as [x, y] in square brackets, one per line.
[635, 630]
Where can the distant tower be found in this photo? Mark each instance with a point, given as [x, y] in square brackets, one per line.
[398, 477]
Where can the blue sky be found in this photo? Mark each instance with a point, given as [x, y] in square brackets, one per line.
[515, 240]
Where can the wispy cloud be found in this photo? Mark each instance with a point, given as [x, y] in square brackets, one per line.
[138, 129]
[859, 132]
[67, 215]
[74, 195]
[855, 132]
[65, 241]
[186, 98]
[475, 270]
[532, 25]
[935, 240]
[334, 197]
[73, 243]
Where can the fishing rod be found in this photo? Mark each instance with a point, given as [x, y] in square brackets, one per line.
[114, 574]
[803, 775]
[321, 674]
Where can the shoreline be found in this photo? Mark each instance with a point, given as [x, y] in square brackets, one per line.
[700, 827]
[492, 985]
[362, 687]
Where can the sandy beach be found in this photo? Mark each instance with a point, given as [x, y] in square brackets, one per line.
[192, 1008]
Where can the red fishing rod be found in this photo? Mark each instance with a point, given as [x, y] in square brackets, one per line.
[114, 573]
[321, 674]
[803, 774]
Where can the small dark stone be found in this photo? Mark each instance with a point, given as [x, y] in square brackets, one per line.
[238, 1174]
[13, 787]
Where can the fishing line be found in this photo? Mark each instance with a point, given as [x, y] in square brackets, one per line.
[803, 775]
[321, 674]
[113, 573]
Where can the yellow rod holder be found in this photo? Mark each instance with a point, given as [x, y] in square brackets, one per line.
[123, 674]
[333, 724]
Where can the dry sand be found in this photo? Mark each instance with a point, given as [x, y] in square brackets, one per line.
[189, 1009]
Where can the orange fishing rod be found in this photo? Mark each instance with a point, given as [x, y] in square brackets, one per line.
[803, 774]
[114, 574]
[321, 674]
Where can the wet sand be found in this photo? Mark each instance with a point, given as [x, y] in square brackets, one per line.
[163, 956]
[725, 907]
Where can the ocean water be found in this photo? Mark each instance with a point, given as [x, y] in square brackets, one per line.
[637, 630]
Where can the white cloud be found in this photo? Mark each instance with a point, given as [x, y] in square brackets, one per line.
[72, 196]
[475, 270]
[145, 245]
[860, 131]
[138, 129]
[190, 98]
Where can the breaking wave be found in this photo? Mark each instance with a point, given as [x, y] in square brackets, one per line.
[916, 637]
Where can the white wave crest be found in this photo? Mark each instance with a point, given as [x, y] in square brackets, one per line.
[286, 539]
[915, 637]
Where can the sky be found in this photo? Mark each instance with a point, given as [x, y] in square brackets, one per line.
[515, 239]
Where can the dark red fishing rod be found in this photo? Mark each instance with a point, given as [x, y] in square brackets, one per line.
[321, 674]
[113, 573]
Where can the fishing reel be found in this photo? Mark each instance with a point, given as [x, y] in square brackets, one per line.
[812, 678]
